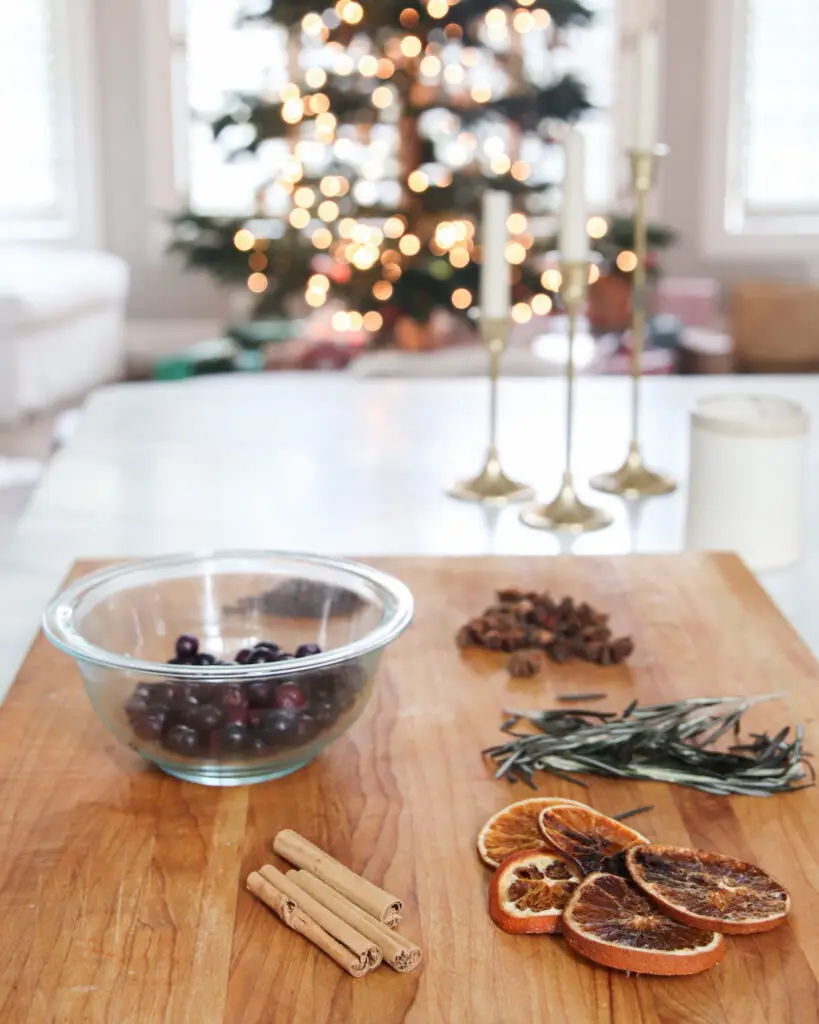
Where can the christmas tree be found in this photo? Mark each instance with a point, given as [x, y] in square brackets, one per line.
[397, 117]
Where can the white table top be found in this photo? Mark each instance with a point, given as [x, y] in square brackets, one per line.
[329, 464]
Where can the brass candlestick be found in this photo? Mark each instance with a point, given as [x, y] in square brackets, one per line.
[634, 480]
[492, 484]
[567, 511]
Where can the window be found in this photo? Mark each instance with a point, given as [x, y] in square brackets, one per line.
[37, 194]
[214, 60]
[761, 148]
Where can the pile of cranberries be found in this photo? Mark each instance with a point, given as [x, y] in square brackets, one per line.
[213, 719]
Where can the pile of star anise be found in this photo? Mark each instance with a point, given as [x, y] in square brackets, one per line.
[528, 623]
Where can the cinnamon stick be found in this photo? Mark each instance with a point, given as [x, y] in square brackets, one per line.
[294, 917]
[398, 952]
[367, 951]
[378, 903]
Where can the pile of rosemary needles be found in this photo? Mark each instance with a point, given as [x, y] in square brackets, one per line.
[675, 742]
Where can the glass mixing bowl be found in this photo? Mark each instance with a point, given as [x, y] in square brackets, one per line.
[156, 643]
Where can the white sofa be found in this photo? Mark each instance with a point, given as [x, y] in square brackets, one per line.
[61, 325]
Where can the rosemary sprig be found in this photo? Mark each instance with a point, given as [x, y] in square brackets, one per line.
[672, 742]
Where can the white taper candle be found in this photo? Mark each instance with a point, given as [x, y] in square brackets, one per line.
[495, 278]
[574, 240]
[647, 84]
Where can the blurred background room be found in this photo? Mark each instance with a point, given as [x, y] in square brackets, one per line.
[195, 187]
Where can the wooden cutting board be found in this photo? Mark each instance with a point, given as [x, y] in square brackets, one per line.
[122, 895]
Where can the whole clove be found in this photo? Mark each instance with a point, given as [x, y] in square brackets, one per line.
[563, 630]
[525, 664]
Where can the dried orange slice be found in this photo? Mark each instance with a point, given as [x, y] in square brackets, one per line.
[529, 891]
[515, 829]
[707, 890]
[610, 922]
[593, 841]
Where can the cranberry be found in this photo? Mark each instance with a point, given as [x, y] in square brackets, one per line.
[204, 659]
[234, 699]
[149, 726]
[307, 650]
[258, 745]
[261, 695]
[181, 739]
[137, 704]
[266, 646]
[291, 697]
[232, 738]
[308, 729]
[325, 712]
[206, 718]
[167, 693]
[243, 657]
[261, 657]
[279, 727]
[187, 646]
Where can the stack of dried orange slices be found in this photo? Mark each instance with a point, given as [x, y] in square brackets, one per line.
[619, 899]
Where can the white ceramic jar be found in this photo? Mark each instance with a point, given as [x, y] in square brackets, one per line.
[746, 478]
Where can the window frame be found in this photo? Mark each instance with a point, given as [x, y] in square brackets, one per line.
[731, 227]
[76, 216]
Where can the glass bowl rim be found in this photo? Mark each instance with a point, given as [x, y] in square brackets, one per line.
[59, 628]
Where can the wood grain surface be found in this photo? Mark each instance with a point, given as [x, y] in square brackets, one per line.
[121, 890]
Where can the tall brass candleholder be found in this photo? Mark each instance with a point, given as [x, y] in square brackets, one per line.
[634, 480]
[567, 511]
[492, 484]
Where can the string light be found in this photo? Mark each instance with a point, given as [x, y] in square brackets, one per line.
[500, 164]
[453, 31]
[394, 227]
[344, 64]
[315, 77]
[517, 223]
[346, 227]
[481, 93]
[365, 257]
[454, 74]
[361, 234]
[290, 92]
[445, 234]
[459, 257]
[257, 282]
[320, 103]
[244, 239]
[515, 253]
[352, 12]
[626, 261]
[368, 66]
[390, 256]
[386, 68]
[299, 218]
[541, 18]
[462, 298]
[418, 181]
[382, 97]
[312, 24]
[521, 312]
[341, 321]
[551, 280]
[382, 290]
[257, 261]
[430, 67]
[328, 210]
[318, 283]
[373, 321]
[409, 245]
[304, 196]
[409, 18]
[523, 22]
[356, 320]
[330, 186]
[597, 227]
[326, 122]
[520, 170]
[411, 46]
[292, 111]
[392, 271]
[437, 8]
[526, 3]
[542, 304]
[594, 273]
[322, 238]
[495, 17]
[315, 299]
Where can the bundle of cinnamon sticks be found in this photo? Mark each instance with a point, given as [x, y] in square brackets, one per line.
[350, 919]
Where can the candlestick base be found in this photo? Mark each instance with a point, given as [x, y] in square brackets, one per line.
[567, 512]
[491, 485]
[634, 480]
